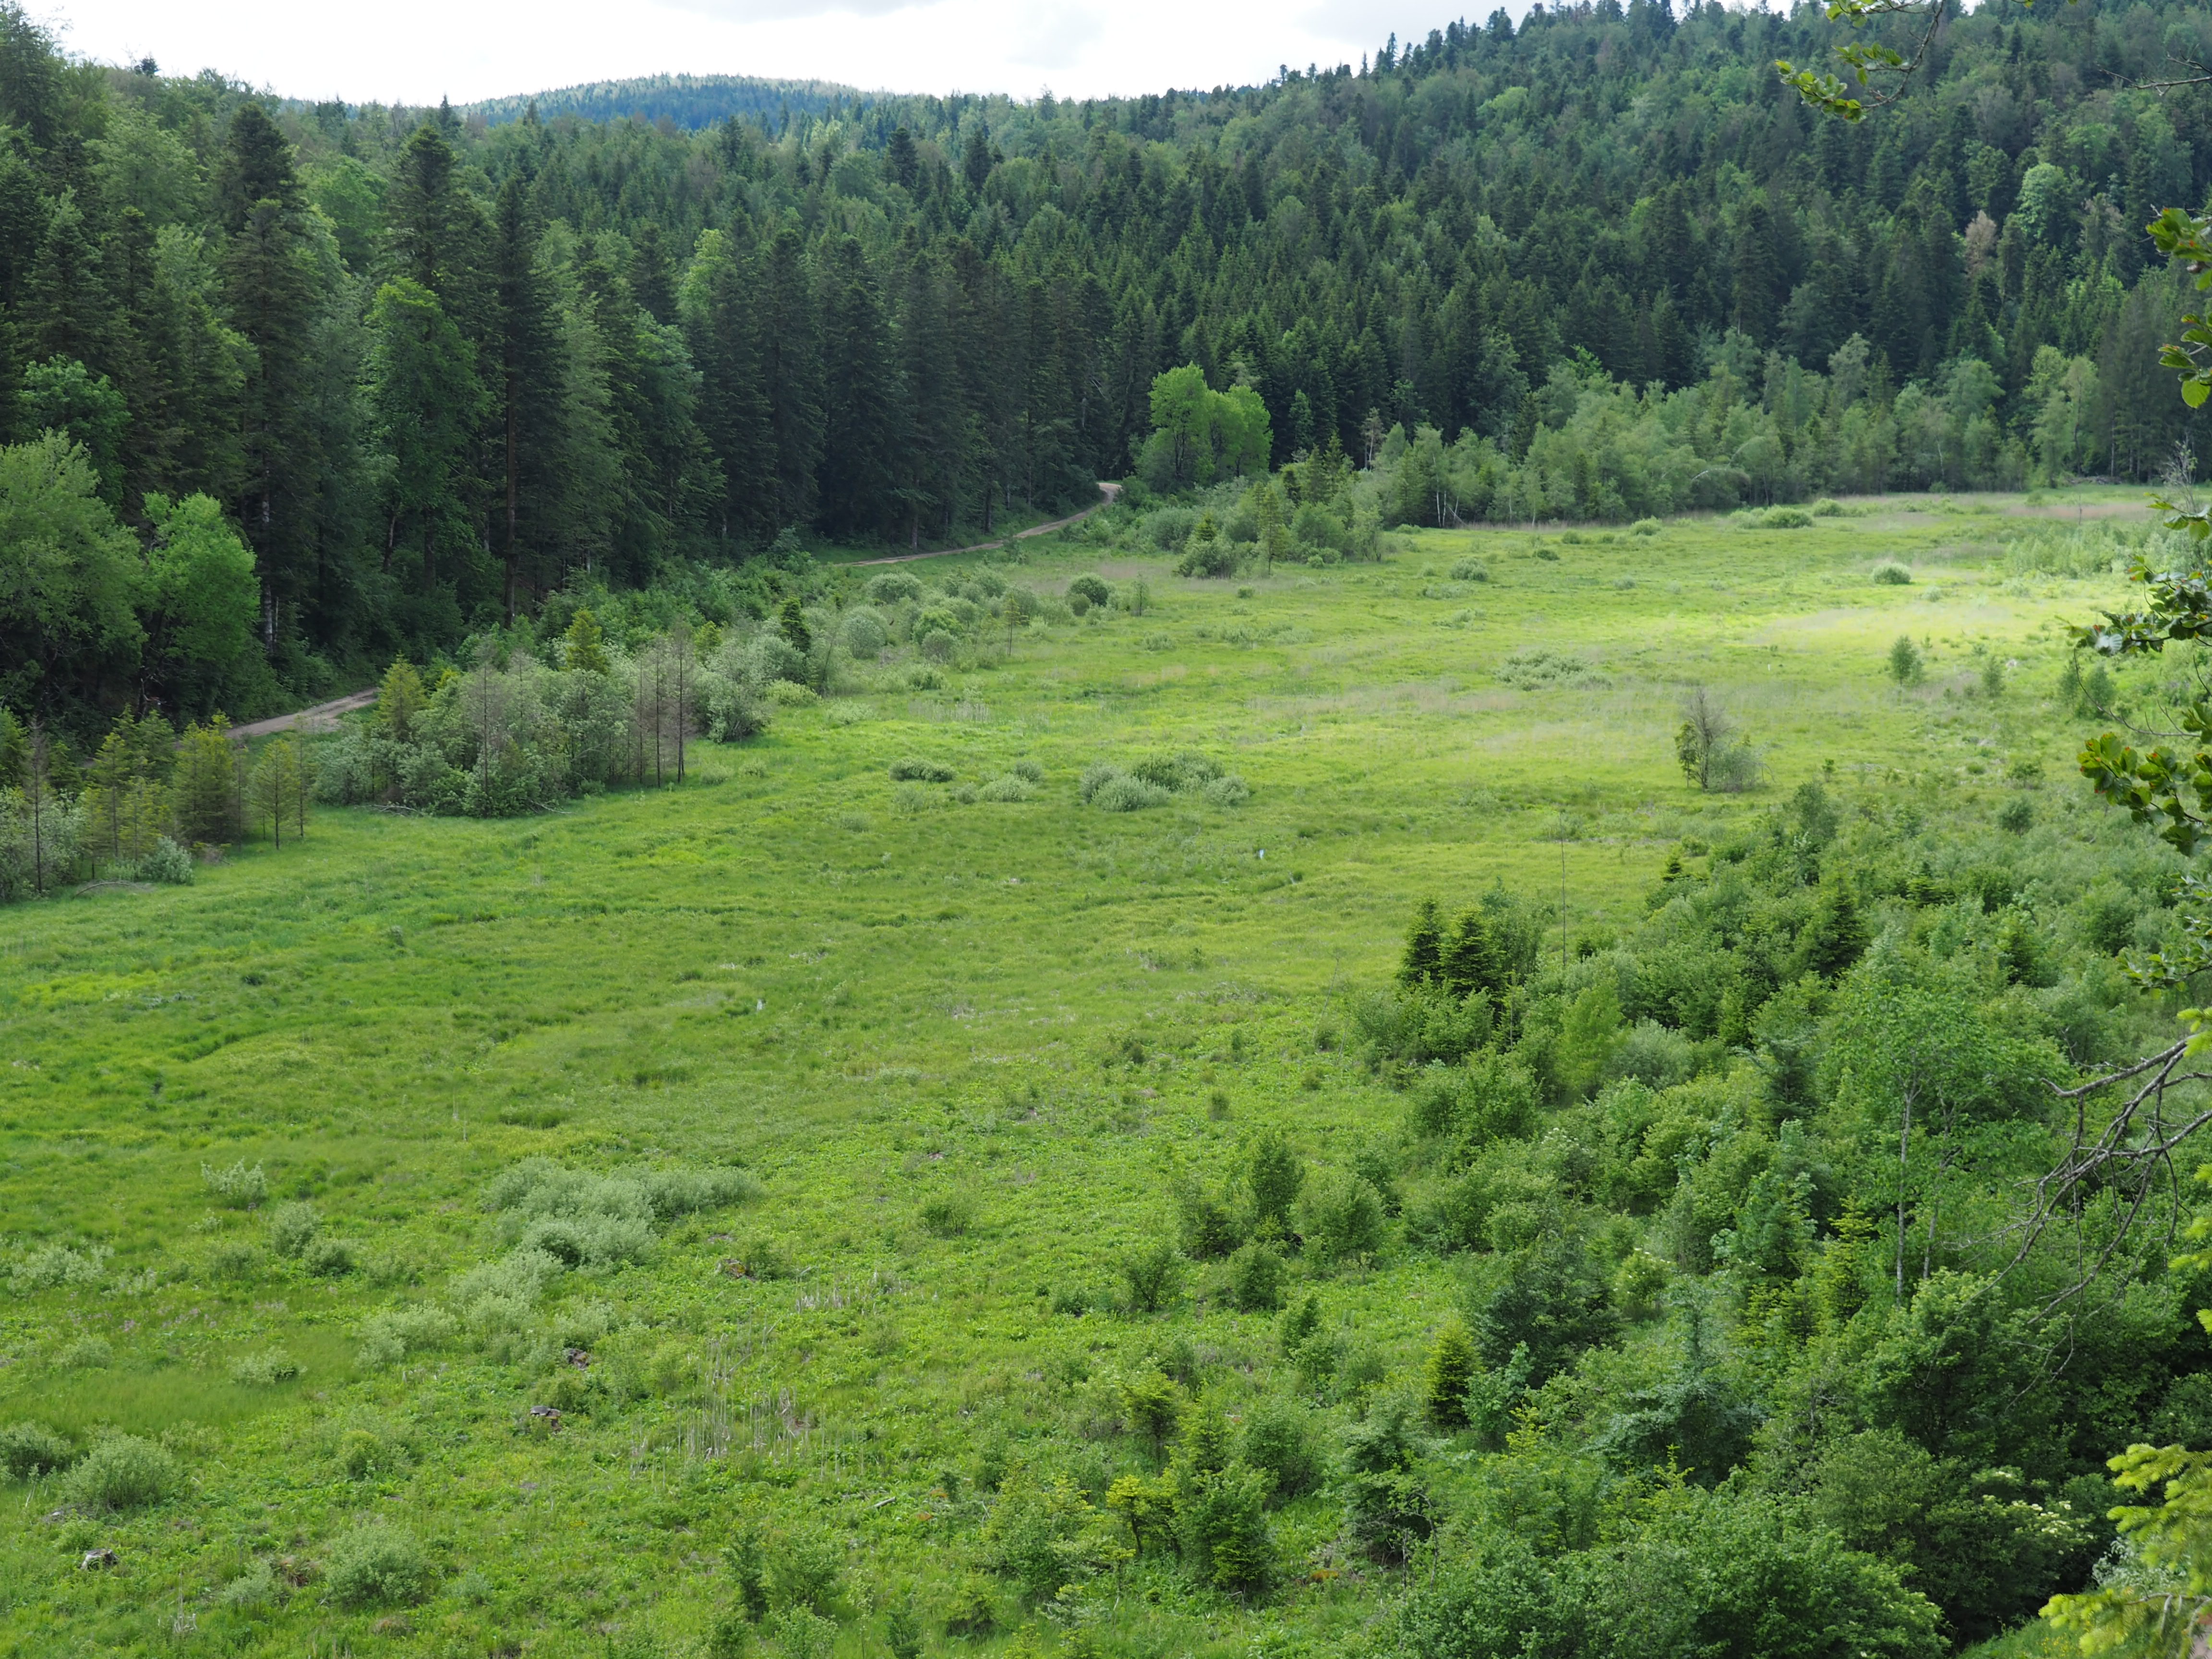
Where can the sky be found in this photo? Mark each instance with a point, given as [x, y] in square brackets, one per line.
[415, 52]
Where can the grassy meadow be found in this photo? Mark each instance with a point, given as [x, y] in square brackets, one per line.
[964, 1044]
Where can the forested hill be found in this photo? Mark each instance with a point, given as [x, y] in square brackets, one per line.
[689, 101]
[433, 369]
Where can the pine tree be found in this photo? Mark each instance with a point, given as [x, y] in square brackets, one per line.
[860, 405]
[427, 401]
[526, 397]
[1418, 964]
[1467, 962]
[1449, 1372]
[207, 803]
[721, 325]
[269, 298]
[790, 378]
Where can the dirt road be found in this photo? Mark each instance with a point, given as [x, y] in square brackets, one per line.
[323, 717]
[1108, 490]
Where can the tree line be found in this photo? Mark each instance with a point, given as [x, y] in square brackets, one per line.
[431, 366]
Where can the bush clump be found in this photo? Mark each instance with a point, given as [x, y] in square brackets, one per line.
[1008, 788]
[27, 1449]
[1157, 780]
[894, 587]
[388, 1337]
[237, 1188]
[912, 768]
[1538, 668]
[1645, 527]
[293, 1227]
[52, 1265]
[1469, 568]
[1092, 589]
[168, 864]
[331, 1258]
[379, 1565]
[264, 1369]
[123, 1472]
[1891, 573]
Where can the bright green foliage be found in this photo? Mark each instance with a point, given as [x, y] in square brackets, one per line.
[1201, 436]
[379, 1564]
[70, 576]
[203, 599]
[1274, 1175]
[1451, 1368]
[585, 644]
[60, 396]
[1903, 662]
[124, 1472]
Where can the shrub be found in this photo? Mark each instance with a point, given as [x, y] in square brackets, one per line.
[1228, 791]
[1343, 1220]
[293, 1227]
[805, 1570]
[264, 1369]
[1078, 605]
[1226, 1540]
[237, 1188]
[52, 1265]
[123, 1472]
[893, 587]
[1121, 792]
[864, 633]
[937, 646]
[330, 1258]
[257, 1587]
[1153, 1274]
[914, 769]
[28, 1449]
[1255, 1279]
[168, 864]
[2017, 816]
[1028, 770]
[87, 1353]
[1785, 517]
[948, 1215]
[789, 694]
[1089, 589]
[801, 1634]
[1469, 568]
[388, 1337]
[1828, 507]
[1280, 1440]
[1645, 527]
[1168, 527]
[1891, 573]
[1536, 668]
[1216, 557]
[973, 1608]
[230, 1259]
[1008, 788]
[379, 1564]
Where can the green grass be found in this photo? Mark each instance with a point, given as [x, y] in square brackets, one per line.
[784, 964]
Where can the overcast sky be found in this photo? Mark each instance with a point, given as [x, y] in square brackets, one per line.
[417, 51]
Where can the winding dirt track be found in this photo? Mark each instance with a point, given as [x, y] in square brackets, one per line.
[1108, 490]
[324, 716]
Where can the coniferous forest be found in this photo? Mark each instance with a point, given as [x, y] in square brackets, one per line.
[432, 367]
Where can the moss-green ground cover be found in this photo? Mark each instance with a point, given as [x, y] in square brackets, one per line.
[966, 1047]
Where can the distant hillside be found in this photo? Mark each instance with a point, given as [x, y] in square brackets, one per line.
[689, 101]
